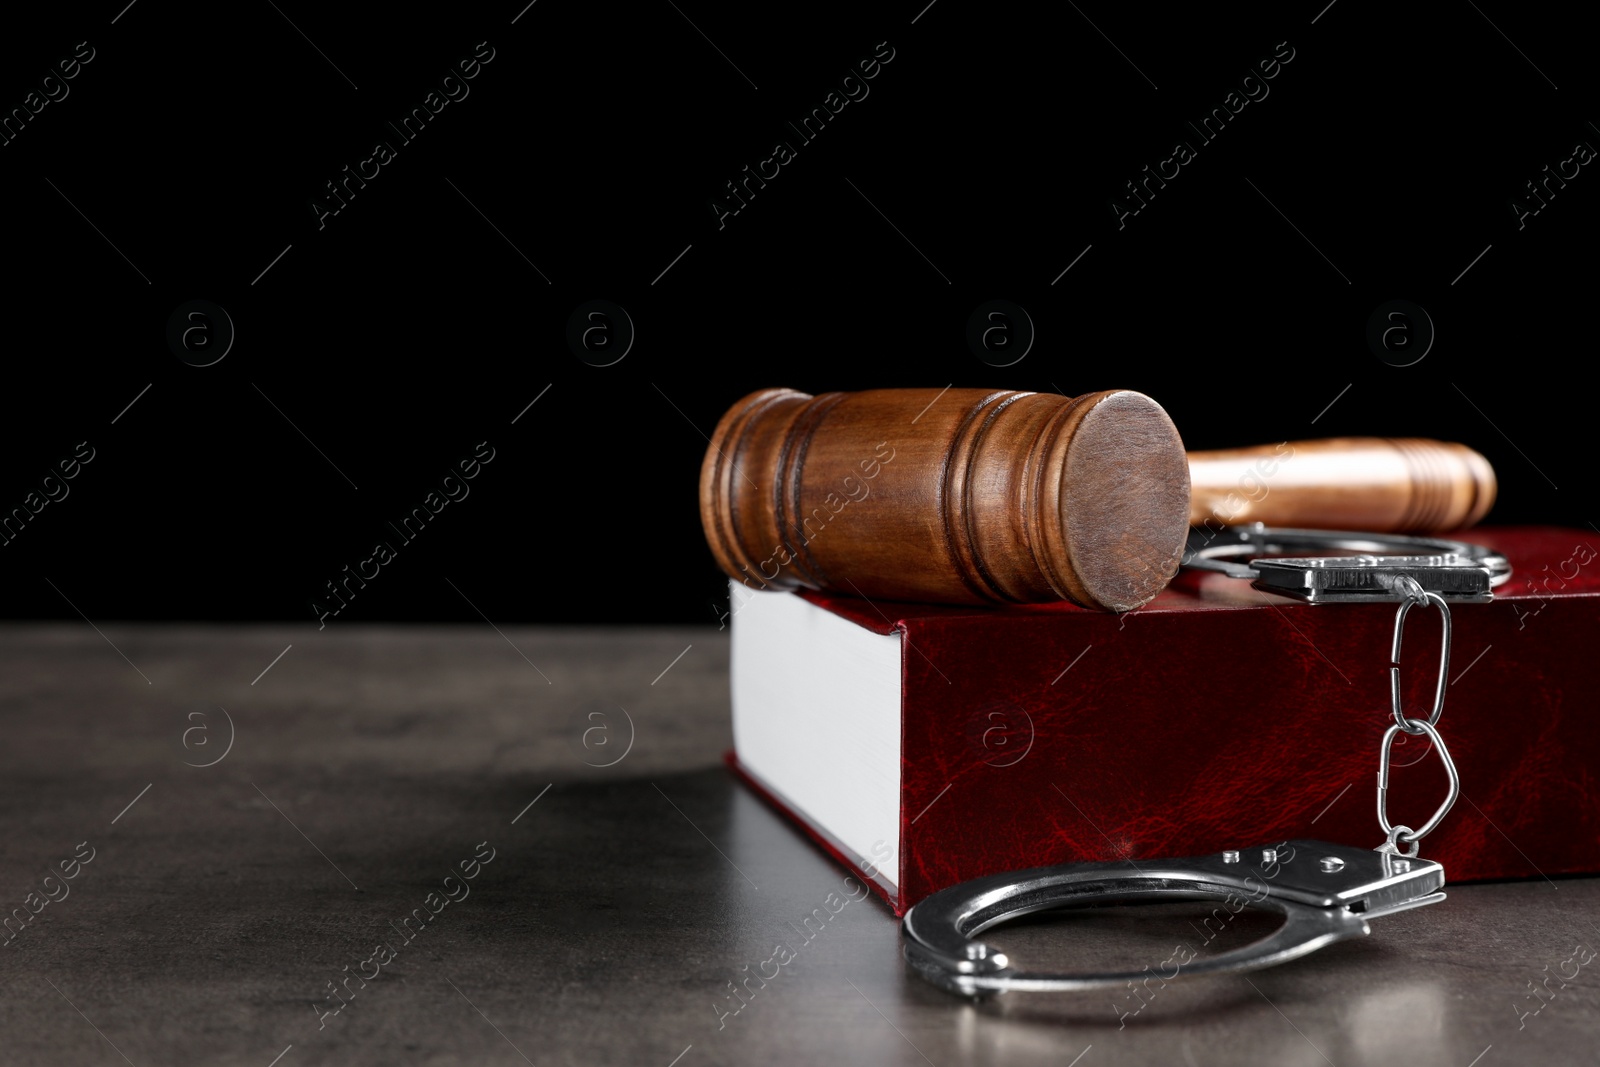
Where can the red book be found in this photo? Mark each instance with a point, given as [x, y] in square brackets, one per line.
[924, 745]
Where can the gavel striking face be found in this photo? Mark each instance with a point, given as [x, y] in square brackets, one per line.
[976, 496]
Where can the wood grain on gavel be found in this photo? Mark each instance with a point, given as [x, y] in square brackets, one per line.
[979, 496]
[966, 496]
[1388, 485]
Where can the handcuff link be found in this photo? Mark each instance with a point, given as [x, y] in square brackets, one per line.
[1334, 889]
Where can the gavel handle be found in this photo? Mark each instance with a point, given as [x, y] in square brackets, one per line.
[1383, 484]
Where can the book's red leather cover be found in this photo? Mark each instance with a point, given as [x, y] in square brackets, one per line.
[1217, 717]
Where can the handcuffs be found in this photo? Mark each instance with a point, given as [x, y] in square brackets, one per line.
[1326, 892]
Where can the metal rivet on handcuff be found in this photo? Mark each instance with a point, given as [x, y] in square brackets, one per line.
[1325, 892]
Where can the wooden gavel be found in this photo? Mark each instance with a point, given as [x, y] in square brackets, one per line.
[978, 496]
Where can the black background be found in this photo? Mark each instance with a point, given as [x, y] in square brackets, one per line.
[408, 329]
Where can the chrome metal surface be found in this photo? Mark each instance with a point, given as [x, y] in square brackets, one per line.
[1416, 595]
[1455, 570]
[1411, 836]
[1458, 571]
[1321, 901]
[1392, 846]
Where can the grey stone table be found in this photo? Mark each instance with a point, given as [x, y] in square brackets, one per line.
[219, 903]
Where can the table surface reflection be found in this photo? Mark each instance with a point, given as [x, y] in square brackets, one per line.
[255, 842]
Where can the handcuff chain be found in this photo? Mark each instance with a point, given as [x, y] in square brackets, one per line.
[1415, 595]
[1399, 834]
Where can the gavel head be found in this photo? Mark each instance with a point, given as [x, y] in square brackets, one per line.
[963, 496]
